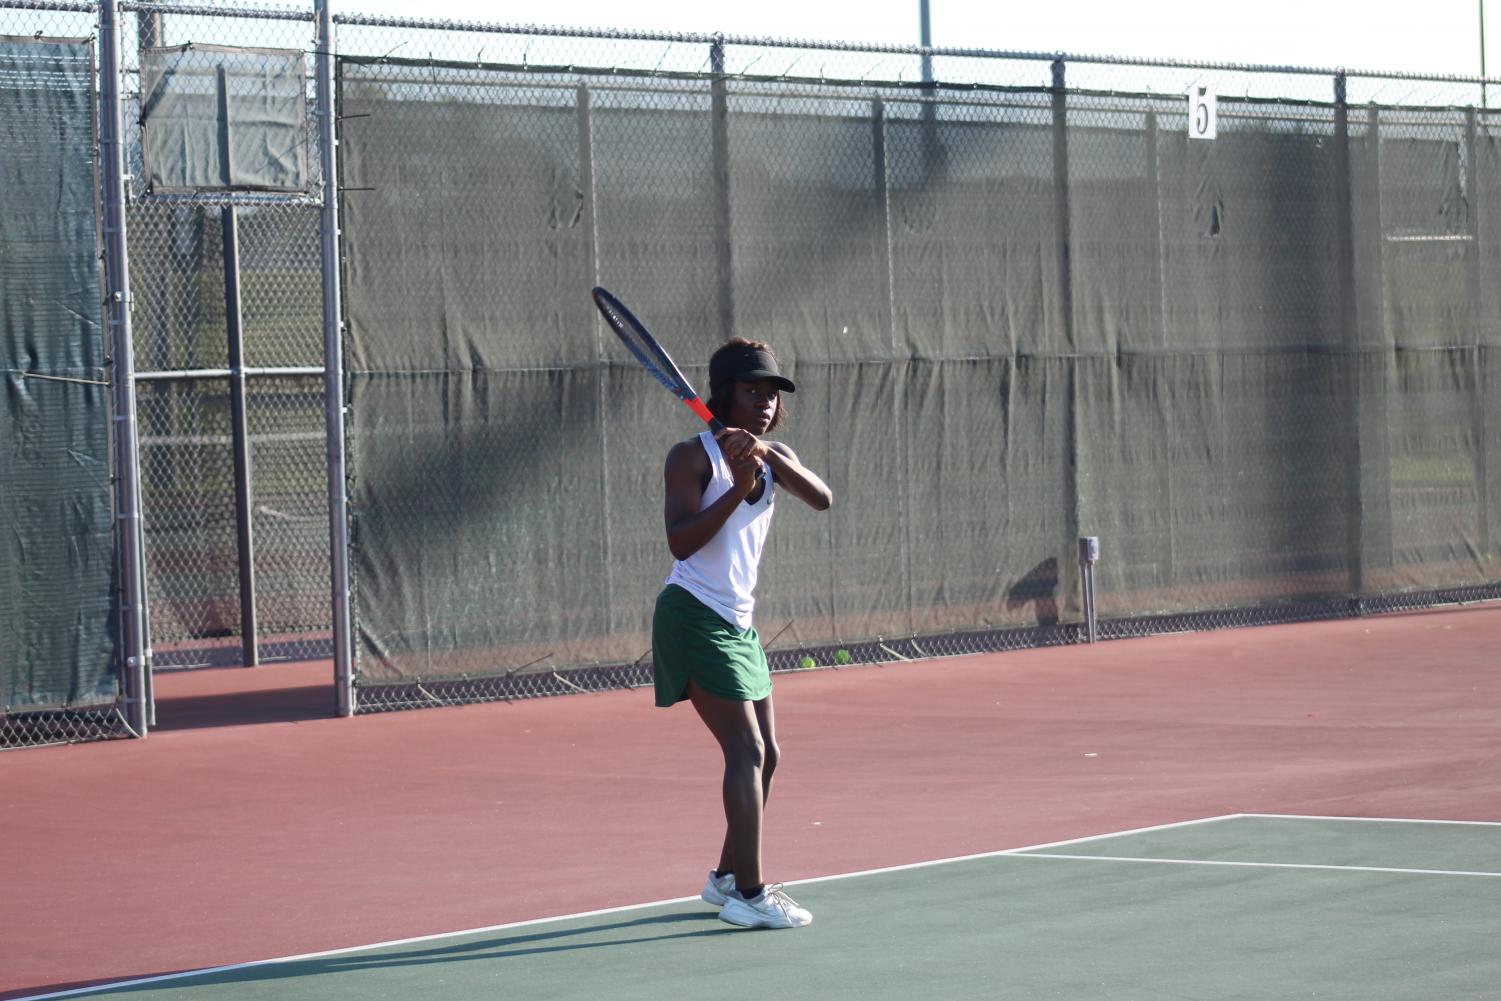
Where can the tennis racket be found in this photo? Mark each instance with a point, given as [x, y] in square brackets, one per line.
[639, 341]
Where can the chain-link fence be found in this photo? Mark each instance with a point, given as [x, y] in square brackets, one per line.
[58, 623]
[213, 534]
[225, 304]
[1022, 306]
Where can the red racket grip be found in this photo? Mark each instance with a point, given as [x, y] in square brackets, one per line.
[716, 426]
[697, 406]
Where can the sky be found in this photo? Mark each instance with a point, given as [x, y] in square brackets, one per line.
[1436, 36]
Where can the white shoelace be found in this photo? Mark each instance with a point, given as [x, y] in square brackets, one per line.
[778, 897]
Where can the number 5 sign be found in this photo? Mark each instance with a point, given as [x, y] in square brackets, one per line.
[1202, 114]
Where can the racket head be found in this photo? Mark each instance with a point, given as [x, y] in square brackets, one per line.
[639, 341]
[652, 356]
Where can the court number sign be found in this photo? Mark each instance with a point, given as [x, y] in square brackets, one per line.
[1203, 118]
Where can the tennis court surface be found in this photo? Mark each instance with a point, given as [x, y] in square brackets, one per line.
[1309, 811]
[1232, 907]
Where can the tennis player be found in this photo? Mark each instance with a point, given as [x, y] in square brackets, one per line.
[704, 647]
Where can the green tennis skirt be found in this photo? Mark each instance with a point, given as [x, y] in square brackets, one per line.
[690, 642]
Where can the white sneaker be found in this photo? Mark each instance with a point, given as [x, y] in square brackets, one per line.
[772, 909]
[718, 888]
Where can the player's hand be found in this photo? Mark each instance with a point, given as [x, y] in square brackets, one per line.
[744, 472]
[737, 443]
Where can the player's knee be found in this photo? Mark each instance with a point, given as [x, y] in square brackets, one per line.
[771, 754]
[746, 751]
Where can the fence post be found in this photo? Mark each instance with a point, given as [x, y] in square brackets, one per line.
[149, 29]
[929, 94]
[1169, 575]
[333, 365]
[1062, 224]
[719, 105]
[1477, 332]
[881, 181]
[1369, 256]
[584, 101]
[118, 302]
[1062, 213]
[881, 184]
[1351, 381]
[240, 436]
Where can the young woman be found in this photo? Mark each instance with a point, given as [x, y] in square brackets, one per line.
[720, 497]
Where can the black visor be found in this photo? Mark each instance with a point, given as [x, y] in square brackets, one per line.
[747, 365]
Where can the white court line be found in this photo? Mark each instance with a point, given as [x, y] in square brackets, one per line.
[1261, 865]
[210, 970]
[1012, 851]
[1375, 820]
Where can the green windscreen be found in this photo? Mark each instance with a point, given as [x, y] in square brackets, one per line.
[57, 624]
[1261, 369]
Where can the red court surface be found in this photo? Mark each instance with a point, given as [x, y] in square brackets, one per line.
[252, 825]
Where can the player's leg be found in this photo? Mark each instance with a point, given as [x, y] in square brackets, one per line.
[735, 725]
[751, 902]
[766, 723]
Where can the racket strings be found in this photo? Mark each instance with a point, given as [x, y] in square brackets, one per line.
[640, 344]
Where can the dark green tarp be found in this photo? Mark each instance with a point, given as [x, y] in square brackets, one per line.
[1255, 367]
[57, 624]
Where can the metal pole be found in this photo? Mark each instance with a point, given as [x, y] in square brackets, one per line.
[1475, 294]
[1349, 379]
[1371, 314]
[240, 435]
[880, 177]
[929, 106]
[881, 185]
[1063, 213]
[333, 362]
[149, 30]
[1063, 331]
[1089, 554]
[925, 39]
[1483, 102]
[719, 125]
[584, 102]
[118, 305]
[1159, 283]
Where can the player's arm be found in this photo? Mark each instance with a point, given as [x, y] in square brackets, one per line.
[797, 479]
[686, 474]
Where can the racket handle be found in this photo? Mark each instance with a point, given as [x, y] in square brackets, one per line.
[697, 406]
[716, 426]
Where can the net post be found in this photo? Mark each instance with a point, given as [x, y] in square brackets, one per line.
[1089, 553]
[333, 364]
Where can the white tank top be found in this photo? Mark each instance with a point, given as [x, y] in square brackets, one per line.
[722, 574]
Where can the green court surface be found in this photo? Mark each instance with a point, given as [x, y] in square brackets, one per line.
[1227, 908]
